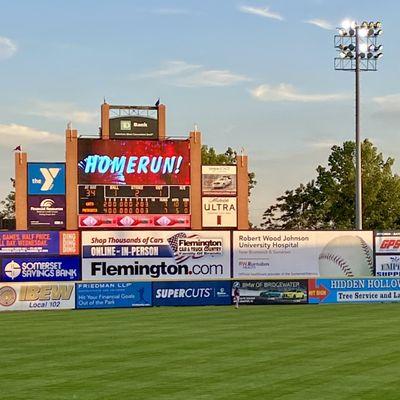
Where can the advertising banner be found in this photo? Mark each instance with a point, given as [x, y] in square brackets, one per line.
[40, 296]
[192, 293]
[113, 295]
[46, 212]
[218, 180]
[133, 127]
[161, 221]
[272, 291]
[263, 254]
[219, 212]
[39, 243]
[387, 242]
[46, 178]
[139, 162]
[387, 265]
[40, 269]
[379, 290]
[155, 255]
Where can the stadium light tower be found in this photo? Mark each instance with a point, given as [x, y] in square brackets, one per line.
[358, 50]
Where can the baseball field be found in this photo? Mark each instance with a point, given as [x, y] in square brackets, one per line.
[256, 352]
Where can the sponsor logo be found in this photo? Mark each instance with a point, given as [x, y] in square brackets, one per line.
[199, 247]
[47, 205]
[101, 268]
[8, 296]
[39, 269]
[221, 293]
[391, 268]
[189, 293]
[12, 270]
[49, 175]
[140, 124]
[388, 244]
[125, 125]
[45, 292]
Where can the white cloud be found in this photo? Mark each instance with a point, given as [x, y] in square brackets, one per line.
[12, 135]
[7, 48]
[211, 78]
[170, 68]
[321, 23]
[64, 112]
[285, 92]
[322, 144]
[389, 103]
[261, 11]
[182, 74]
[171, 11]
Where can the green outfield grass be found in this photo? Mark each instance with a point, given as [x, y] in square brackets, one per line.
[256, 352]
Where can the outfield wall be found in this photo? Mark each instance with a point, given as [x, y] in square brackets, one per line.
[113, 269]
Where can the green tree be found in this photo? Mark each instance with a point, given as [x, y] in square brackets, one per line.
[7, 206]
[210, 157]
[328, 202]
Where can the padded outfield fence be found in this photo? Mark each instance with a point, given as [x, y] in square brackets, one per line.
[110, 269]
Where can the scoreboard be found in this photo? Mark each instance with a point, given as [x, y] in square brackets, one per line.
[121, 199]
[134, 203]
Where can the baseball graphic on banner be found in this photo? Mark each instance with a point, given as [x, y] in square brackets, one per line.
[347, 256]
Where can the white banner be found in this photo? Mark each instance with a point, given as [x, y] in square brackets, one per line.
[218, 180]
[387, 242]
[387, 265]
[262, 254]
[219, 212]
[153, 255]
[37, 296]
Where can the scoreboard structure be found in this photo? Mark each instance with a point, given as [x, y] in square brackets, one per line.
[133, 176]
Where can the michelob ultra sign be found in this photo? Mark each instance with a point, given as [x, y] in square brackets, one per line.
[139, 162]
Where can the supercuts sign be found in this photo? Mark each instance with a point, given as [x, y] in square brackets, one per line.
[135, 127]
[139, 162]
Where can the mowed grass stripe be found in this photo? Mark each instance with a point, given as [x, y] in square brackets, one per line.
[266, 352]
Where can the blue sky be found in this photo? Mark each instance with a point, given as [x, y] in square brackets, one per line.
[251, 74]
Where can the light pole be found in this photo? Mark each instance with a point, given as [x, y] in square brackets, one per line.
[358, 50]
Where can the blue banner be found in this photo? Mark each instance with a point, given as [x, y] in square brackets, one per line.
[46, 178]
[40, 269]
[192, 293]
[29, 242]
[113, 295]
[371, 290]
[97, 251]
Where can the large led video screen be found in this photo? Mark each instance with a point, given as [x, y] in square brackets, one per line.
[128, 162]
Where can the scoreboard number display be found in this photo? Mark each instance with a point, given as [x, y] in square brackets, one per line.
[128, 199]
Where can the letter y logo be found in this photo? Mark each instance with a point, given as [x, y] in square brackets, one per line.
[49, 175]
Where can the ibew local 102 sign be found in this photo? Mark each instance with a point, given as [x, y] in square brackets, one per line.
[46, 178]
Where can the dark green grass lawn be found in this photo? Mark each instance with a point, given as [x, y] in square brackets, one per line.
[256, 352]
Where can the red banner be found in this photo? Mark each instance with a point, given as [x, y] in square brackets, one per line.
[134, 221]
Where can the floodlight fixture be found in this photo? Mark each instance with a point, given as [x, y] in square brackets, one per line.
[358, 50]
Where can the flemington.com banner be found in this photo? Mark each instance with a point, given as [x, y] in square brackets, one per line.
[272, 291]
[263, 254]
[372, 290]
[153, 255]
[37, 296]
